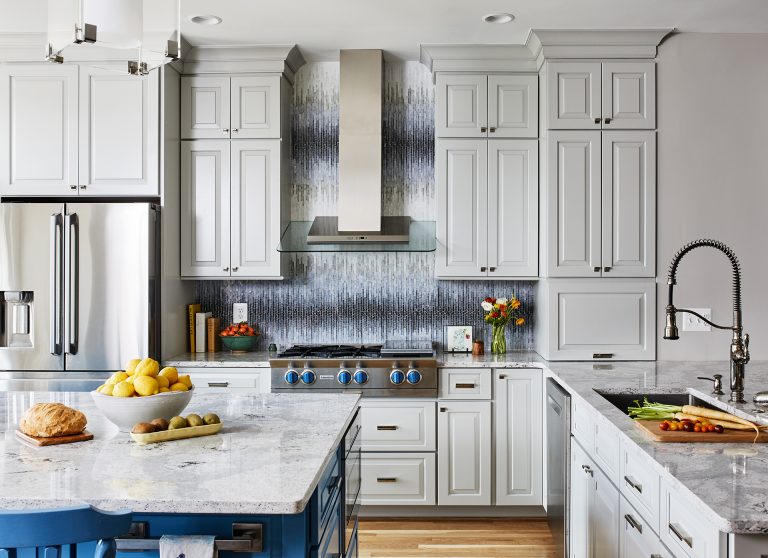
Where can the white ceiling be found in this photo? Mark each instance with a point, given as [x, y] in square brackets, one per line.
[322, 27]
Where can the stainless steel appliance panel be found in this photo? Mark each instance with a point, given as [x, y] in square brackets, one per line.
[558, 459]
[110, 284]
[30, 257]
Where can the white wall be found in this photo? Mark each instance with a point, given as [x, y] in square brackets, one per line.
[713, 182]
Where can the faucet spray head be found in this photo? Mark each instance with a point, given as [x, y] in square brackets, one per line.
[670, 330]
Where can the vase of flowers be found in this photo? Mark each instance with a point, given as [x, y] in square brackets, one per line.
[499, 312]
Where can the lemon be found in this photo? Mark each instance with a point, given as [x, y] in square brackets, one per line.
[146, 385]
[106, 389]
[171, 373]
[123, 389]
[147, 367]
[117, 377]
[130, 379]
[164, 390]
[162, 381]
[185, 379]
[130, 368]
[178, 386]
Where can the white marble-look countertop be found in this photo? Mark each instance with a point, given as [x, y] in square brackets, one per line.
[267, 459]
[729, 482]
[221, 359]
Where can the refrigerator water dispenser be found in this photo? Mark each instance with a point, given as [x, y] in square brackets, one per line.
[16, 319]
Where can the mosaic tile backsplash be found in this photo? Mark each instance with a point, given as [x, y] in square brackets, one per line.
[365, 297]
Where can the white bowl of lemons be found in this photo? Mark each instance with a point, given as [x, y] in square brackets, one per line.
[143, 392]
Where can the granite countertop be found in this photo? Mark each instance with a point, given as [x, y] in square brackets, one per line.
[729, 481]
[267, 459]
[221, 359]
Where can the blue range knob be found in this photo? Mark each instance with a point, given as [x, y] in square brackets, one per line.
[308, 377]
[361, 377]
[397, 377]
[291, 377]
[344, 377]
[414, 377]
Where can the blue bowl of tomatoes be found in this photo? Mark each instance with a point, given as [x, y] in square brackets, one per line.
[239, 338]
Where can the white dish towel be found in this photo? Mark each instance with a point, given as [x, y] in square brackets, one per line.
[186, 546]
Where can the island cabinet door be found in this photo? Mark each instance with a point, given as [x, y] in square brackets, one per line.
[581, 488]
[636, 538]
[464, 456]
[603, 516]
[519, 437]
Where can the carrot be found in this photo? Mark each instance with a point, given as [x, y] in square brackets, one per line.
[724, 423]
[715, 414]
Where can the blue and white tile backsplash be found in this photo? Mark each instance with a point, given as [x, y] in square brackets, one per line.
[364, 297]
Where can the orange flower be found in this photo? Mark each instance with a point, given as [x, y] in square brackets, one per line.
[515, 304]
[519, 321]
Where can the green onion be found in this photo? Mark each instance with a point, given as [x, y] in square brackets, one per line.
[653, 411]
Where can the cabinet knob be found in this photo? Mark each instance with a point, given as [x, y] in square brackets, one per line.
[597, 269]
[491, 269]
[235, 130]
[482, 269]
[443, 409]
[492, 129]
[588, 470]
[597, 121]
[483, 129]
[226, 269]
[235, 268]
[607, 120]
[225, 130]
[82, 187]
[606, 269]
[73, 186]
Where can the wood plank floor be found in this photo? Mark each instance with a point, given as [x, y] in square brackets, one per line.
[451, 538]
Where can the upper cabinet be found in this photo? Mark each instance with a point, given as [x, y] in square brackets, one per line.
[68, 130]
[601, 95]
[242, 107]
[486, 106]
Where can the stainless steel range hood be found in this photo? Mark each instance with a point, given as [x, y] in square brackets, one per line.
[360, 116]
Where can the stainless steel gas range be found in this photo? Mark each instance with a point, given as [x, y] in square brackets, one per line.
[394, 369]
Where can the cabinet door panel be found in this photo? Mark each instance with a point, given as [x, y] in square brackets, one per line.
[513, 106]
[204, 107]
[513, 208]
[581, 489]
[629, 204]
[462, 202]
[573, 101]
[461, 106]
[519, 445]
[574, 204]
[38, 130]
[119, 127]
[255, 106]
[603, 517]
[636, 539]
[464, 459]
[629, 95]
[397, 479]
[205, 209]
[255, 208]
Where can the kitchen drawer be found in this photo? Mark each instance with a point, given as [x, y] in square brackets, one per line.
[607, 451]
[686, 532]
[465, 383]
[636, 538]
[398, 479]
[639, 482]
[325, 501]
[398, 425]
[330, 544]
[582, 425]
[229, 378]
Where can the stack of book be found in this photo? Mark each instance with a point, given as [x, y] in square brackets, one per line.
[203, 330]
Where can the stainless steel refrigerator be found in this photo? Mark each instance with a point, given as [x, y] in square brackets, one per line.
[78, 286]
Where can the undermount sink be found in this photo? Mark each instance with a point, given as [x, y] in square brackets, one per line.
[622, 401]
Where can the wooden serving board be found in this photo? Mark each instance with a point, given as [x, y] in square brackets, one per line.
[84, 436]
[177, 434]
[651, 429]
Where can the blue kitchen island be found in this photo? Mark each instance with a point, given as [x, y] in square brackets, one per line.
[280, 479]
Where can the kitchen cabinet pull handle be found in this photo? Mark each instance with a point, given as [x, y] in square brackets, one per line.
[218, 384]
[389, 427]
[597, 269]
[235, 130]
[633, 483]
[482, 269]
[633, 522]
[656, 556]
[386, 479]
[57, 236]
[607, 120]
[492, 129]
[602, 355]
[72, 272]
[226, 269]
[225, 130]
[681, 534]
[235, 268]
[606, 269]
[588, 470]
[333, 484]
[73, 186]
[466, 386]
[502, 376]
[483, 129]
[443, 409]
[597, 121]
[491, 269]
[83, 186]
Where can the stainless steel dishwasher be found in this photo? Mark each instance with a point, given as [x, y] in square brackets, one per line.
[558, 459]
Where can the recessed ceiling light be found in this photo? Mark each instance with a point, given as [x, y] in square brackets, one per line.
[498, 18]
[205, 19]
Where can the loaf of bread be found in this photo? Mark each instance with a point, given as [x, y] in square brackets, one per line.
[47, 420]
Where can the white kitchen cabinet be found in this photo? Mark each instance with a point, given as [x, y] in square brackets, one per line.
[464, 453]
[38, 130]
[238, 107]
[601, 204]
[581, 489]
[595, 95]
[487, 194]
[585, 319]
[229, 379]
[205, 208]
[686, 534]
[636, 538]
[465, 383]
[519, 437]
[119, 133]
[397, 479]
[397, 425]
[486, 106]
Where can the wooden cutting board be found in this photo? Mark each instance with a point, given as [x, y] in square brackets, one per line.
[84, 436]
[651, 429]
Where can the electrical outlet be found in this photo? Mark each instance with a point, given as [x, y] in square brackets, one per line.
[693, 323]
[239, 312]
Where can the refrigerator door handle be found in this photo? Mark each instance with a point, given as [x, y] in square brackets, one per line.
[72, 272]
[57, 235]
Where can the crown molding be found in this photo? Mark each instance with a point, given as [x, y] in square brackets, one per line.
[22, 47]
[595, 43]
[477, 58]
[229, 59]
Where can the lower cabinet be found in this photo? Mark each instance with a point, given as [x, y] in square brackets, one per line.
[636, 538]
[397, 479]
[464, 453]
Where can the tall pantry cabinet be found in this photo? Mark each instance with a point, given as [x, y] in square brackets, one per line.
[598, 196]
